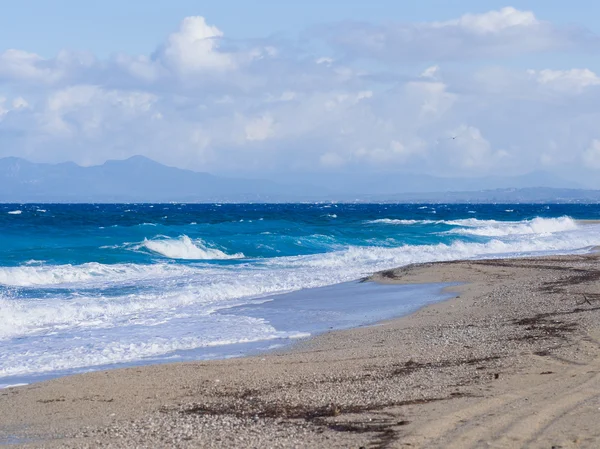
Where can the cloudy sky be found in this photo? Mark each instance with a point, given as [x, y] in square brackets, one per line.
[256, 88]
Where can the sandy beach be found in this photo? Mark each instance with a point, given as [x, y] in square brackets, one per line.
[512, 361]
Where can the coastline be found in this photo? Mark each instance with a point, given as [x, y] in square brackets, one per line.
[514, 360]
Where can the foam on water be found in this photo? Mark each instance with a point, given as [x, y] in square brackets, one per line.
[92, 274]
[3, 386]
[187, 249]
[394, 221]
[15, 212]
[175, 294]
[174, 286]
[135, 346]
[493, 228]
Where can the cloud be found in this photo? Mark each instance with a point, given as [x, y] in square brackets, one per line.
[502, 33]
[195, 47]
[470, 150]
[574, 80]
[24, 66]
[260, 128]
[591, 156]
[204, 102]
[11, 106]
[492, 22]
[29, 68]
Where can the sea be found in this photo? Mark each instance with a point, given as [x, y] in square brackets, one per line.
[88, 287]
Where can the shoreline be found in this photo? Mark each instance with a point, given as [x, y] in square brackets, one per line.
[521, 342]
[324, 298]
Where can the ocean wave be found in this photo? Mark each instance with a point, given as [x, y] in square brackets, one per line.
[393, 221]
[379, 258]
[186, 249]
[131, 349]
[81, 311]
[203, 289]
[538, 235]
[89, 273]
[493, 228]
[5, 386]
[15, 212]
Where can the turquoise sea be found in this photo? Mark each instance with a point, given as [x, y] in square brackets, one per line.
[91, 286]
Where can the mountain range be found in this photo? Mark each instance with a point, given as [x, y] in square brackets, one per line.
[139, 179]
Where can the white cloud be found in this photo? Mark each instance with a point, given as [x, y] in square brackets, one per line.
[394, 152]
[324, 60]
[431, 72]
[260, 128]
[470, 150]
[25, 66]
[492, 22]
[19, 103]
[207, 104]
[7, 106]
[574, 80]
[86, 121]
[431, 97]
[493, 34]
[195, 47]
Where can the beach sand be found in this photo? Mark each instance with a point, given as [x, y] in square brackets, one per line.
[512, 361]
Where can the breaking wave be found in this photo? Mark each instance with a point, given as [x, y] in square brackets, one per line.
[186, 249]
[155, 298]
[393, 221]
[492, 228]
[90, 273]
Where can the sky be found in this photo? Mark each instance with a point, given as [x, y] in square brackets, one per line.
[462, 88]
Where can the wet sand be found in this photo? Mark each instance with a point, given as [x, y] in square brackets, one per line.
[512, 361]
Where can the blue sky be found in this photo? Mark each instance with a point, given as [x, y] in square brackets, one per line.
[256, 88]
[136, 26]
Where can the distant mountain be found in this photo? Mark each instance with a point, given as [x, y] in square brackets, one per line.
[139, 179]
[388, 183]
[542, 195]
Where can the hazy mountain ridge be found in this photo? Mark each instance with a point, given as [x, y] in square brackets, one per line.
[135, 179]
[139, 179]
[528, 195]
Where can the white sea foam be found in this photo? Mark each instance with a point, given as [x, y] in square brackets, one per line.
[91, 274]
[393, 221]
[186, 248]
[4, 386]
[22, 317]
[208, 289]
[166, 293]
[492, 228]
[379, 258]
[15, 212]
[131, 348]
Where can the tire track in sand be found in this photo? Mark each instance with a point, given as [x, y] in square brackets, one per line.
[518, 417]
